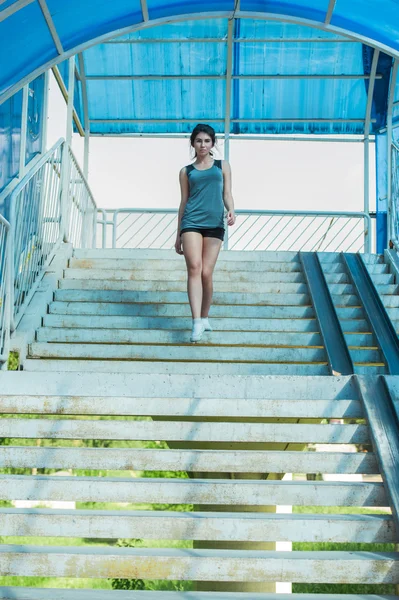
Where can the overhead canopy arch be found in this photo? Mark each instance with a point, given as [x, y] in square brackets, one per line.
[36, 34]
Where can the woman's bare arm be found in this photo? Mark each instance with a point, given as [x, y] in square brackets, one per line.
[184, 193]
[227, 193]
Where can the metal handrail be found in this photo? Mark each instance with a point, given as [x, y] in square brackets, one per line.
[82, 207]
[393, 206]
[52, 203]
[5, 288]
[320, 230]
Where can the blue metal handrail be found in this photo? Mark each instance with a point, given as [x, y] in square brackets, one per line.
[52, 203]
[254, 230]
[5, 288]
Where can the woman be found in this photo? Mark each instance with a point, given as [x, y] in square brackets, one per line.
[205, 189]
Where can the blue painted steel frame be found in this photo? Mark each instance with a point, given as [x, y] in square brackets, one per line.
[384, 424]
[339, 359]
[377, 316]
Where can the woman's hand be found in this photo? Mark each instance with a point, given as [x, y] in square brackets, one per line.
[178, 247]
[231, 217]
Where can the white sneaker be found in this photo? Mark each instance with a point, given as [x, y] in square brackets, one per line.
[197, 332]
[206, 324]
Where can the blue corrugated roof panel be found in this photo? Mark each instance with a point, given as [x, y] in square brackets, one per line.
[98, 17]
[162, 59]
[26, 44]
[192, 99]
[18, 39]
[377, 20]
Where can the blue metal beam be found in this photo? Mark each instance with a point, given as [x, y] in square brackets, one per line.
[339, 359]
[375, 311]
[384, 425]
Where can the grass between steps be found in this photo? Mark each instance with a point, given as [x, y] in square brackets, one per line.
[162, 585]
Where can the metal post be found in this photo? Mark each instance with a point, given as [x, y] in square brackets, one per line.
[45, 111]
[229, 71]
[71, 90]
[24, 130]
[86, 120]
[86, 154]
[389, 150]
[366, 156]
[67, 145]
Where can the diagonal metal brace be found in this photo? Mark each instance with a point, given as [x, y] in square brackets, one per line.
[384, 425]
[339, 359]
[376, 314]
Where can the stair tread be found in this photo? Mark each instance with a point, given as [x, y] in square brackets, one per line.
[18, 593]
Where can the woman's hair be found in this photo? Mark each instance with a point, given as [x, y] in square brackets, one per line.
[202, 128]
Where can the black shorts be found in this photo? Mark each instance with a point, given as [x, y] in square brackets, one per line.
[214, 232]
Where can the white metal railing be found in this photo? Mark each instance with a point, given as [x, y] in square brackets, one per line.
[52, 203]
[5, 288]
[393, 208]
[254, 230]
[81, 206]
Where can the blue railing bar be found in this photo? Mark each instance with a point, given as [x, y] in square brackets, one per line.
[383, 421]
[6, 289]
[339, 359]
[377, 316]
[29, 174]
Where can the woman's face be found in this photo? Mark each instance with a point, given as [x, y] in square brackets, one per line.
[203, 144]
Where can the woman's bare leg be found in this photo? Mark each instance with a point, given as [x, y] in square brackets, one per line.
[210, 253]
[192, 248]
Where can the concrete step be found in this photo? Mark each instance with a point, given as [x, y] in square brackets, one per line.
[200, 351]
[219, 324]
[174, 336]
[193, 352]
[179, 368]
[114, 281]
[390, 301]
[202, 565]
[139, 268]
[184, 323]
[158, 264]
[230, 255]
[336, 257]
[113, 303]
[187, 407]
[370, 369]
[223, 492]
[200, 525]
[195, 387]
[81, 303]
[125, 290]
[18, 593]
[170, 255]
[183, 431]
[338, 267]
[159, 336]
[117, 272]
[94, 291]
[199, 461]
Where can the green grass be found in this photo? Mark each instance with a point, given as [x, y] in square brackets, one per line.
[13, 361]
[329, 588]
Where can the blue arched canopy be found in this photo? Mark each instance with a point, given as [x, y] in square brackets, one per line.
[248, 67]
[272, 66]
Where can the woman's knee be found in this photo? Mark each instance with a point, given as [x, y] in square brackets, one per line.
[207, 273]
[194, 268]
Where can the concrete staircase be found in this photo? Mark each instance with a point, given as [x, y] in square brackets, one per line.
[112, 391]
[125, 309]
[241, 418]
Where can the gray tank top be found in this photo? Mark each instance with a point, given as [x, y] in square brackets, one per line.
[204, 208]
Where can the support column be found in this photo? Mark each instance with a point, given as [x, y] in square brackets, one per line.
[367, 124]
[68, 144]
[24, 131]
